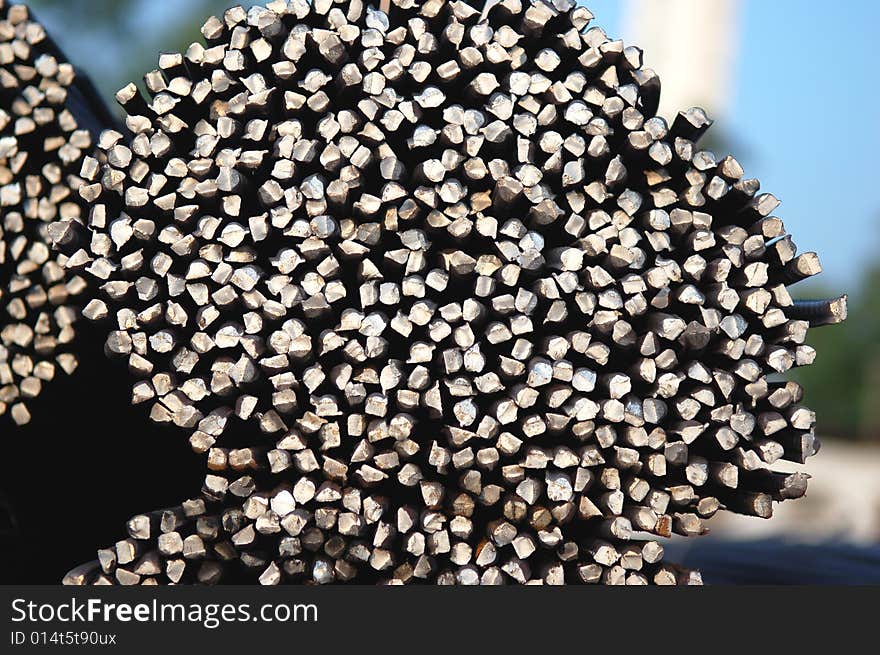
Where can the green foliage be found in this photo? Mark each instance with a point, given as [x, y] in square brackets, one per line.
[843, 385]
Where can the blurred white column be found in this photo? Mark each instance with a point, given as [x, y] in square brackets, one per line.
[692, 44]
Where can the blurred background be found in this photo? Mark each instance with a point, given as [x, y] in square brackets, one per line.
[789, 84]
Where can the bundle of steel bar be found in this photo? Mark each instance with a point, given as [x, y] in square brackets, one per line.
[44, 113]
[441, 298]
[233, 534]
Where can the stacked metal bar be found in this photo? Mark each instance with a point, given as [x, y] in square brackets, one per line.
[441, 299]
[273, 538]
[41, 152]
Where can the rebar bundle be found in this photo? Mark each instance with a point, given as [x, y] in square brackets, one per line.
[42, 147]
[441, 299]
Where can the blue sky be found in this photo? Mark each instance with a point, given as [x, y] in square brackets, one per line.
[804, 113]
